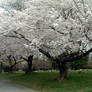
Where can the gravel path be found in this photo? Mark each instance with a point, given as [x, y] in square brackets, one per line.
[6, 86]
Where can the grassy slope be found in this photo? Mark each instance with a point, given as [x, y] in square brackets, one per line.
[46, 81]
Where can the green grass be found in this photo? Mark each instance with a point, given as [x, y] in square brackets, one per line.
[46, 81]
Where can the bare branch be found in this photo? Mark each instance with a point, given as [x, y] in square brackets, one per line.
[22, 36]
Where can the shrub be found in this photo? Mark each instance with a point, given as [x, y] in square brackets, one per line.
[54, 65]
[6, 68]
[80, 63]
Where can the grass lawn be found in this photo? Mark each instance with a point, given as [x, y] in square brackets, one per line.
[46, 81]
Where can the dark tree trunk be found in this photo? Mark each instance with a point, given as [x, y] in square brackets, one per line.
[29, 62]
[10, 62]
[63, 70]
[10, 69]
[15, 62]
[1, 67]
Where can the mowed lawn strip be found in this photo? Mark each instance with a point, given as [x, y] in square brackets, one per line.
[47, 81]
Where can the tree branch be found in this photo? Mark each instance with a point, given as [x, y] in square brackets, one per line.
[47, 55]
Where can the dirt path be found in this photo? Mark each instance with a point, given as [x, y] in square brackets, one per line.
[6, 86]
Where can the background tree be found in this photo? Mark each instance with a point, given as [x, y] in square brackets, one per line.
[29, 63]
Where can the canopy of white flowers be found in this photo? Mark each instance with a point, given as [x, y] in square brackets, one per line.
[57, 26]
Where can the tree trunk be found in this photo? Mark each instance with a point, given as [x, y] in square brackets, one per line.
[10, 69]
[1, 67]
[29, 69]
[15, 62]
[29, 62]
[63, 71]
[10, 62]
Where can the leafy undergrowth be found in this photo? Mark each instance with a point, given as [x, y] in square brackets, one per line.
[47, 82]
